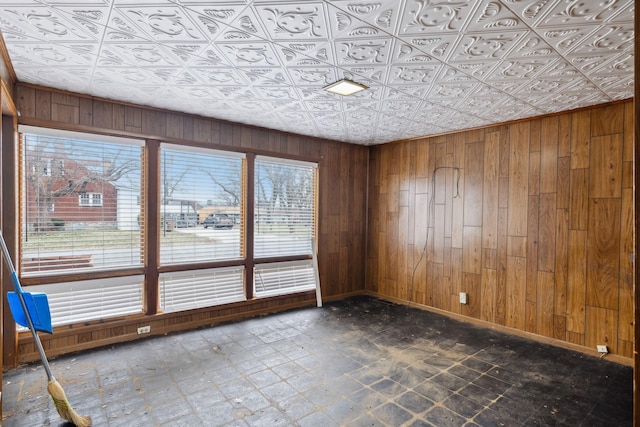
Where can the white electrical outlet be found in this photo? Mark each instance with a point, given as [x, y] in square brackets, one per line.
[144, 330]
[463, 298]
[602, 349]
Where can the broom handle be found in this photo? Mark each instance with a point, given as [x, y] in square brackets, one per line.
[18, 290]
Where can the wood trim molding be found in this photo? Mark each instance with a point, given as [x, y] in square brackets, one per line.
[636, 294]
[7, 60]
[504, 329]
[8, 106]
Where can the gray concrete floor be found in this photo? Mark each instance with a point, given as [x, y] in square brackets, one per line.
[357, 362]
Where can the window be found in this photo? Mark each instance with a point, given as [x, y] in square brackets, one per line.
[85, 300]
[185, 290]
[283, 278]
[96, 185]
[200, 190]
[284, 207]
[90, 199]
[82, 171]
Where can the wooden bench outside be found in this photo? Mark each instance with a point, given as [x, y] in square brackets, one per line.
[36, 264]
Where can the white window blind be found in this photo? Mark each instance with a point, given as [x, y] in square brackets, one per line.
[285, 205]
[197, 183]
[87, 300]
[283, 278]
[80, 205]
[187, 290]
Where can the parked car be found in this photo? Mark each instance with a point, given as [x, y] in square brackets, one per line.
[218, 220]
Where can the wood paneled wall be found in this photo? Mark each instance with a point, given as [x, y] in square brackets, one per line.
[342, 196]
[533, 220]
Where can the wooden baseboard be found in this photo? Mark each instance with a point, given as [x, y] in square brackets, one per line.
[505, 329]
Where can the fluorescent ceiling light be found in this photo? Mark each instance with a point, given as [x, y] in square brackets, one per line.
[345, 87]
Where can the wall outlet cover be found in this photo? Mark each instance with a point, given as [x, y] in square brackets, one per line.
[463, 298]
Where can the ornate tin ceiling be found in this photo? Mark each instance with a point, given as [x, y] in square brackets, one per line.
[432, 66]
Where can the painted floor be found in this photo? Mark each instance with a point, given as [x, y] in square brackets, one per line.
[357, 362]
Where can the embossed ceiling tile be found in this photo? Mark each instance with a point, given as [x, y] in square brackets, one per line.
[485, 47]
[210, 56]
[493, 16]
[543, 85]
[322, 106]
[413, 74]
[136, 54]
[315, 76]
[518, 69]
[375, 51]
[434, 16]
[405, 53]
[560, 68]
[430, 112]
[573, 13]
[276, 94]
[66, 79]
[259, 54]
[129, 75]
[220, 76]
[625, 14]
[358, 20]
[451, 90]
[532, 45]
[474, 70]
[301, 53]
[361, 117]
[265, 76]
[587, 62]
[53, 54]
[405, 92]
[43, 23]
[402, 108]
[566, 39]
[229, 22]
[162, 23]
[383, 14]
[214, 19]
[608, 38]
[350, 106]
[530, 11]
[373, 76]
[483, 97]
[294, 20]
[435, 45]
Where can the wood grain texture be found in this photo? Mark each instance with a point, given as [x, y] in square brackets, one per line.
[542, 231]
[603, 254]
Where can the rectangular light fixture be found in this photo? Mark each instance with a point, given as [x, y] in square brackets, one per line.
[345, 87]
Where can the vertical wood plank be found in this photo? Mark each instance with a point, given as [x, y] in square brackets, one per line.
[561, 266]
[547, 232]
[488, 287]
[472, 250]
[546, 291]
[576, 281]
[579, 199]
[549, 155]
[605, 175]
[501, 286]
[603, 253]
[474, 156]
[490, 191]
[518, 179]
[516, 278]
[607, 120]
[580, 139]
[601, 328]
